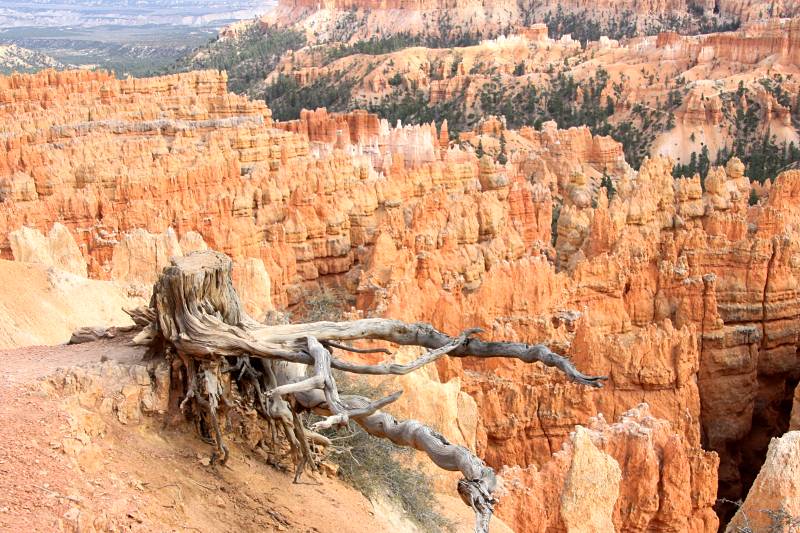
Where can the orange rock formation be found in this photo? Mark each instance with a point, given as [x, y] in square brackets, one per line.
[420, 16]
[587, 485]
[692, 87]
[686, 298]
[757, 41]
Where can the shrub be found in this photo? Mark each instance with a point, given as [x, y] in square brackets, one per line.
[377, 467]
[322, 304]
[780, 521]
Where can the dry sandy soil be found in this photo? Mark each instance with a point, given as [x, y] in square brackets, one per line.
[41, 305]
[66, 467]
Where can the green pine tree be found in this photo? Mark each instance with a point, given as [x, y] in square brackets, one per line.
[691, 168]
[502, 158]
[609, 107]
[606, 182]
[703, 163]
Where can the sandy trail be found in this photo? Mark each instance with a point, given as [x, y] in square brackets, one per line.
[136, 478]
[20, 366]
[32, 473]
[64, 467]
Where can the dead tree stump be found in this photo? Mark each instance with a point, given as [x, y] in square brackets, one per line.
[195, 318]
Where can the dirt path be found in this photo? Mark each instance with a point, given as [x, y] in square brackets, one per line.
[105, 476]
[31, 472]
[66, 465]
[35, 477]
[21, 366]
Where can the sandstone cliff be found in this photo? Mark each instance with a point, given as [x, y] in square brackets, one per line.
[635, 474]
[334, 19]
[679, 295]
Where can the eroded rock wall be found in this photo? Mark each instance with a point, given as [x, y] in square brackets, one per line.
[680, 295]
[681, 93]
[636, 474]
[360, 19]
[210, 171]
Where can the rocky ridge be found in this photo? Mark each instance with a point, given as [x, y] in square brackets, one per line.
[332, 19]
[15, 58]
[682, 94]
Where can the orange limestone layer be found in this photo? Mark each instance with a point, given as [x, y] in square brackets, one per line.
[142, 169]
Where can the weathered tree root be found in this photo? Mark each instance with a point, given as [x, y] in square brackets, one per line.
[205, 391]
[330, 344]
[196, 313]
[307, 459]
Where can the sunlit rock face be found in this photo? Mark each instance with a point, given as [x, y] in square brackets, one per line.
[141, 170]
[322, 19]
[680, 295]
[634, 474]
[774, 500]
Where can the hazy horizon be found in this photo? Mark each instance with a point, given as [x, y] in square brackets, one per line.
[130, 36]
[87, 13]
